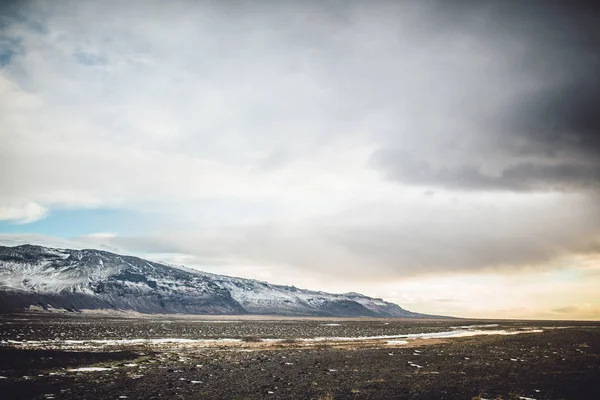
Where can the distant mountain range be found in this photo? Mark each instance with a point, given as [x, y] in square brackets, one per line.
[75, 280]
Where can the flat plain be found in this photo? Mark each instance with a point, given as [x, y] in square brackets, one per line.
[95, 356]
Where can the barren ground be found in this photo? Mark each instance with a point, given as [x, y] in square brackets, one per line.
[47, 356]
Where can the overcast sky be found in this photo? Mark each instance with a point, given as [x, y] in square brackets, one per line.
[441, 155]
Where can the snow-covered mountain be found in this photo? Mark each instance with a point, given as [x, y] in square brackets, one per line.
[93, 279]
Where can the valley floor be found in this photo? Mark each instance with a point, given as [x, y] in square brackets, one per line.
[102, 357]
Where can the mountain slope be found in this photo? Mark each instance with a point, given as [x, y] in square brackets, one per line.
[94, 279]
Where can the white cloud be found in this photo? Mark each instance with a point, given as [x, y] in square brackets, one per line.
[252, 132]
[23, 214]
[41, 240]
[99, 235]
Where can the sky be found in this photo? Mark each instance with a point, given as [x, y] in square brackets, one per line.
[444, 156]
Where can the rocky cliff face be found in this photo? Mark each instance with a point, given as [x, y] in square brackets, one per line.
[93, 279]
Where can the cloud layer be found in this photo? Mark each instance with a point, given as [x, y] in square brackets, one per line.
[517, 86]
[365, 141]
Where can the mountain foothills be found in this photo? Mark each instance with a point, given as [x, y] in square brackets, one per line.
[92, 279]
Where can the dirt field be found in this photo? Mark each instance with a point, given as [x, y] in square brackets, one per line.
[103, 357]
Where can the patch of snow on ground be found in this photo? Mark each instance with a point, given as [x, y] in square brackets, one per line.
[435, 335]
[399, 339]
[397, 342]
[116, 342]
[89, 369]
[477, 326]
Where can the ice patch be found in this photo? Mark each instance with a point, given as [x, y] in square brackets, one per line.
[477, 326]
[398, 339]
[397, 342]
[434, 335]
[118, 342]
[89, 369]
[442, 335]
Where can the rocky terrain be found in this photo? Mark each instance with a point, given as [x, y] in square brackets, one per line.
[553, 360]
[74, 280]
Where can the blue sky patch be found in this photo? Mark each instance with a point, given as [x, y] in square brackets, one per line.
[79, 222]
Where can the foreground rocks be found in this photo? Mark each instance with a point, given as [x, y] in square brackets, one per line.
[554, 364]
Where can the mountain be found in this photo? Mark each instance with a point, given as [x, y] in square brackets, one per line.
[92, 279]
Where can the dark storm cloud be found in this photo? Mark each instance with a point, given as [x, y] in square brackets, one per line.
[544, 135]
[562, 120]
[517, 177]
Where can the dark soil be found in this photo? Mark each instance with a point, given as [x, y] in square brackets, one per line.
[78, 327]
[21, 361]
[554, 364]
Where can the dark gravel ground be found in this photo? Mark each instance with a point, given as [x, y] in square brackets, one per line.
[555, 364]
[65, 326]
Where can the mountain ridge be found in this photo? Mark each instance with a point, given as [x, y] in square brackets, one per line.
[75, 280]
